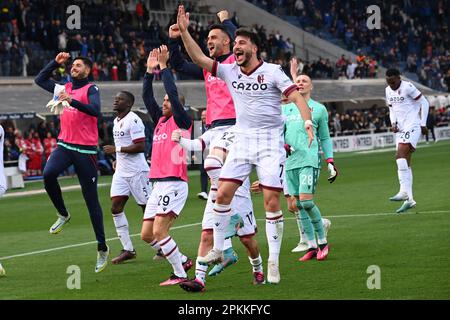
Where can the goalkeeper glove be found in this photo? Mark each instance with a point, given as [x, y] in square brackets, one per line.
[288, 149]
[332, 170]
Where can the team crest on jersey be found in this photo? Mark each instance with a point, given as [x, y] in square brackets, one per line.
[260, 78]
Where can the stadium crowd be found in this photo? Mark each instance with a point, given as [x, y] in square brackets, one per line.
[31, 32]
[413, 34]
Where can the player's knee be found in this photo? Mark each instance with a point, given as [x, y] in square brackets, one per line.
[49, 175]
[207, 237]
[272, 204]
[223, 196]
[147, 237]
[213, 165]
[307, 204]
[116, 208]
[247, 241]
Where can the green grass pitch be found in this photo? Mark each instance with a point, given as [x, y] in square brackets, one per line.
[411, 250]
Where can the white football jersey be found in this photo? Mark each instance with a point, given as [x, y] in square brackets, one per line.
[127, 131]
[404, 106]
[257, 95]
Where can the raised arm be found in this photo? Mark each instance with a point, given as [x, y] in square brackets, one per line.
[176, 59]
[192, 48]
[43, 78]
[181, 117]
[147, 91]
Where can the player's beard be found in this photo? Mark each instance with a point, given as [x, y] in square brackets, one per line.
[247, 58]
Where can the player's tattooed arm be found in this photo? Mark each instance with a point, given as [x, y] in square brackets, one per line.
[192, 48]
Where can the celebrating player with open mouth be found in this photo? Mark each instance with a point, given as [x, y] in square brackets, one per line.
[256, 89]
[408, 111]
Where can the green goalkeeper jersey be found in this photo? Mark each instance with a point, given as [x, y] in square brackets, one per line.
[296, 136]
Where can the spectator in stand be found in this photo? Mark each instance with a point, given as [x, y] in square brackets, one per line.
[49, 145]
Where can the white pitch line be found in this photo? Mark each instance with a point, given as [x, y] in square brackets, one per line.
[42, 191]
[199, 223]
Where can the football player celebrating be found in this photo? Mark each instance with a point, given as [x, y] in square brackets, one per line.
[131, 169]
[408, 111]
[256, 89]
[170, 188]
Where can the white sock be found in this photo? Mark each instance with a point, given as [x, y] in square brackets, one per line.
[155, 245]
[402, 171]
[274, 233]
[312, 244]
[200, 271]
[410, 183]
[227, 244]
[121, 223]
[170, 250]
[300, 228]
[256, 264]
[222, 214]
[183, 258]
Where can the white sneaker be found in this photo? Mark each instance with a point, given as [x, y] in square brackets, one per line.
[326, 225]
[102, 260]
[401, 196]
[202, 195]
[2, 271]
[300, 247]
[273, 273]
[59, 224]
[213, 257]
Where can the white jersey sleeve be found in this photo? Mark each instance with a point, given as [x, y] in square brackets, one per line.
[412, 91]
[137, 130]
[283, 83]
[222, 70]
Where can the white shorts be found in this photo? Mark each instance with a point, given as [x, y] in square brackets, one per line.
[167, 197]
[240, 205]
[285, 186]
[138, 185]
[218, 137]
[409, 135]
[264, 151]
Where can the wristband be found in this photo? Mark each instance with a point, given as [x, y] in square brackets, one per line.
[118, 149]
[330, 160]
[308, 123]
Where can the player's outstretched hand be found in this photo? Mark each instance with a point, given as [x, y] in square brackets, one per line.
[163, 56]
[333, 172]
[152, 60]
[255, 187]
[293, 67]
[424, 130]
[223, 15]
[176, 135]
[174, 31]
[288, 149]
[109, 149]
[182, 19]
[62, 57]
[394, 128]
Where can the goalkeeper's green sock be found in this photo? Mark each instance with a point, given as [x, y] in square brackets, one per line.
[316, 219]
[305, 222]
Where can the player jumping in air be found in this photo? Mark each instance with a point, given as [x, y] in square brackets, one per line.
[256, 89]
[169, 167]
[77, 145]
[408, 111]
[131, 169]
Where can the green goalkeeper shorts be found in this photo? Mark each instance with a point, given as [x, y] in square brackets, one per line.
[302, 180]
